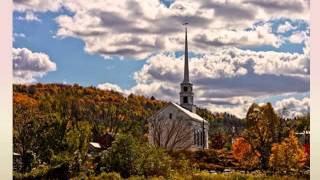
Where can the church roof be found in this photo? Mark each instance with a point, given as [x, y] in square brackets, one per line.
[189, 113]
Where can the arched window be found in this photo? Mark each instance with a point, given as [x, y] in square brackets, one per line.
[204, 138]
[185, 99]
[201, 139]
[198, 138]
[185, 89]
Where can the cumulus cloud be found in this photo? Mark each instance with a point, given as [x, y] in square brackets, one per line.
[292, 107]
[259, 35]
[110, 86]
[240, 111]
[28, 65]
[140, 29]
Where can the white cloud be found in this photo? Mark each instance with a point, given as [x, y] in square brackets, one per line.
[138, 29]
[258, 35]
[287, 26]
[240, 111]
[109, 86]
[28, 65]
[29, 16]
[292, 107]
[18, 35]
[37, 5]
[298, 37]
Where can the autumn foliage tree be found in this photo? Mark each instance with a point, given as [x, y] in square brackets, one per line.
[263, 128]
[287, 155]
[244, 153]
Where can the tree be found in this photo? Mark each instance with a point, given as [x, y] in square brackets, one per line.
[244, 153]
[129, 156]
[287, 155]
[77, 139]
[170, 134]
[263, 128]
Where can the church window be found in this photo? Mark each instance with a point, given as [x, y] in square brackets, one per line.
[201, 139]
[194, 137]
[185, 89]
[170, 116]
[198, 138]
[185, 99]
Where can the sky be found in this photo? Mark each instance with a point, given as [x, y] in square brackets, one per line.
[240, 51]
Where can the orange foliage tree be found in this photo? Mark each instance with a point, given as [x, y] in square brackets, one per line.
[287, 155]
[244, 153]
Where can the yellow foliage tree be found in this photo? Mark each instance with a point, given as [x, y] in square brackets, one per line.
[287, 155]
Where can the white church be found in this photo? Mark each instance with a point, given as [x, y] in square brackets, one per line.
[177, 126]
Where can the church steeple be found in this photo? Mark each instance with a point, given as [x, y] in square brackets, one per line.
[186, 94]
[186, 63]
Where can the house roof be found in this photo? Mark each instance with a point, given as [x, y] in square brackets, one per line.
[95, 145]
[189, 113]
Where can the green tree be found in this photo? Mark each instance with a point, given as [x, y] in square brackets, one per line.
[130, 157]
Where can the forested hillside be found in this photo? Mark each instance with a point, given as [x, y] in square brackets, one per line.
[54, 123]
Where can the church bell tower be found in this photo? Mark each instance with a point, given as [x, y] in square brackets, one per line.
[186, 94]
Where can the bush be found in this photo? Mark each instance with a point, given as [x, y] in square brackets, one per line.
[218, 141]
[45, 172]
[108, 176]
[130, 157]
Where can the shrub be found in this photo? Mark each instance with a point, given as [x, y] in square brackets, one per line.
[108, 176]
[218, 141]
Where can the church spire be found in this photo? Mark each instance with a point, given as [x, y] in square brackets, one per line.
[186, 60]
[186, 94]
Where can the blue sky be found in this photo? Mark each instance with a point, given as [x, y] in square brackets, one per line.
[67, 42]
[74, 65]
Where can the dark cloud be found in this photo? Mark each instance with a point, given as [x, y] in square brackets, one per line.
[230, 11]
[203, 41]
[253, 85]
[111, 20]
[275, 5]
[129, 52]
